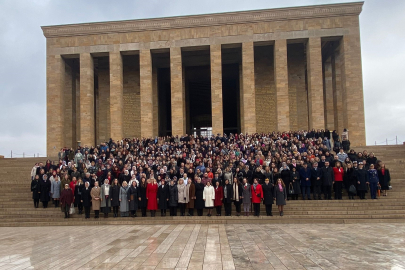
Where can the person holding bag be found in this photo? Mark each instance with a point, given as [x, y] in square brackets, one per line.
[257, 196]
[66, 200]
[280, 195]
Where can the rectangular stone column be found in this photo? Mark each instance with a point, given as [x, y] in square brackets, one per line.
[281, 81]
[216, 90]
[177, 93]
[337, 89]
[352, 82]
[87, 121]
[116, 96]
[145, 68]
[315, 85]
[328, 94]
[55, 85]
[248, 99]
[155, 102]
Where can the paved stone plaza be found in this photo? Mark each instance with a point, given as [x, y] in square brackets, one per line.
[312, 246]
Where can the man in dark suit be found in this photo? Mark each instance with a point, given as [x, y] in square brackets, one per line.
[328, 178]
[316, 181]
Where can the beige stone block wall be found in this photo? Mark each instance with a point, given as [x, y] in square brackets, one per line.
[132, 100]
[55, 85]
[248, 93]
[145, 67]
[266, 107]
[87, 121]
[297, 91]
[315, 85]
[328, 94]
[103, 119]
[177, 93]
[216, 89]
[116, 96]
[281, 81]
[352, 80]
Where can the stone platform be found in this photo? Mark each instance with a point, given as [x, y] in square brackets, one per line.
[316, 246]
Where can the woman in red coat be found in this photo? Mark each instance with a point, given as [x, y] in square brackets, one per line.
[151, 196]
[338, 172]
[219, 195]
[66, 199]
[257, 196]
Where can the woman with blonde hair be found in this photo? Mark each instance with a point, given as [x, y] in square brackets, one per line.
[182, 197]
[280, 195]
[123, 198]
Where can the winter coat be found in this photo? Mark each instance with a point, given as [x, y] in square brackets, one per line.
[163, 196]
[295, 179]
[95, 194]
[350, 178]
[328, 177]
[373, 176]
[199, 202]
[151, 195]
[66, 197]
[228, 193]
[182, 193]
[173, 196]
[78, 194]
[86, 197]
[219, 195]
[280, 196]
[102, 195]
[257, 194]
[123, 197]
[362, 177]
[247, 194]
[142, 194]
[45, 189]
[338, 173]
[191, 194]
[55, 189]
[115, 195]
[268, 194]
[315, 173]
[286, 176]
[384, 179]
[209, 196]
[35, 189]
[133, 198]
[304, 174]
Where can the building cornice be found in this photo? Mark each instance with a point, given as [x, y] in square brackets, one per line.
[216, 19]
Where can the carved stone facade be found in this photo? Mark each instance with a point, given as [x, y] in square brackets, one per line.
[289, 68]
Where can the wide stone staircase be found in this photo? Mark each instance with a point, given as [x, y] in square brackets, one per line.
[17, 208]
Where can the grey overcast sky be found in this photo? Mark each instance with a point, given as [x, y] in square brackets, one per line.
[23, 73]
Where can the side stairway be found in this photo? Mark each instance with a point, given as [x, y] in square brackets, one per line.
[17, 208]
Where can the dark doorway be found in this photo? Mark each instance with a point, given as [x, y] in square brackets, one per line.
[161, 62]
[231, 68]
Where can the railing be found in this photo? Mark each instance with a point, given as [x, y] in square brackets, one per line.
[390, 142]
[24, 155]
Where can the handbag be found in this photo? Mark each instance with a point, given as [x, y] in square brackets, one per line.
[258, 195]
[291, 189]
[352, 189]
[72, 209]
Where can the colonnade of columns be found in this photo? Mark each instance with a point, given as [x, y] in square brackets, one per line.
[320, 109]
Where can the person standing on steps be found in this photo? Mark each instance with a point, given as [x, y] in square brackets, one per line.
[305, 177]
[199, 201]
[268, 196]
[280, 195]
[182, 196]
[133, 195]
[228, 194]
[373, 181]
[143, 202]
[338, 172]
[257, 196]
[35, 190]
[66, 200]
[362, 180]
[123, 197]
[163, 197]
[95, 199]
[44, 190]
[78, 195]
[191, 196]
[328, 177]
[115, 196]
[209, 197]
[173, 199]
[151, 196]
[237, 195]
[86, 199]
[105, 199]
[219, 195]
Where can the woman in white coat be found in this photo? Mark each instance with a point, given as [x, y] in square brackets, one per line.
[209, 197]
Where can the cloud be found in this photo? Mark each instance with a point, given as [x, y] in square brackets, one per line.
[23, 74]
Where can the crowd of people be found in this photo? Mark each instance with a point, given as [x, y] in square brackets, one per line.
[180, 174]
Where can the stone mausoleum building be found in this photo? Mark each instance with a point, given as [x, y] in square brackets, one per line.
[250, 71]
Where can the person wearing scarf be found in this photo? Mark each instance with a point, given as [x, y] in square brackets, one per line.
[237, 195]
[246, 196]
[257, 196]
[280, 194]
